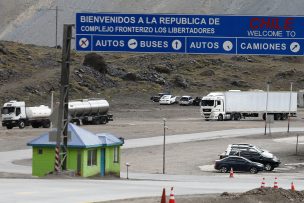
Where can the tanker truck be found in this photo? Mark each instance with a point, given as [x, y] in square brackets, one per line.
[89, 111]
[235, 105]
[16, 114]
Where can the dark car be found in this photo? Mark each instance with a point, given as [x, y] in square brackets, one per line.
[197, 101]
[238, 164]
[156, 98]
[253, 153]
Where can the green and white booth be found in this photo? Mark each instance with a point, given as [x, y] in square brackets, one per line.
[88, 154]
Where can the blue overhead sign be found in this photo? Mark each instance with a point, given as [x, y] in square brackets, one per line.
[193, 34]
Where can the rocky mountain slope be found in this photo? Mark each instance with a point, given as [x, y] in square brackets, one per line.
[34, 22]
[29, 73]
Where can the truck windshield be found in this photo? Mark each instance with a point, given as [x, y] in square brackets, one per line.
[7, 110]
[207, 103]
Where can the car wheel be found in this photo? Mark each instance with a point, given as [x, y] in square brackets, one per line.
[253, 170]
[220, 117]
[268, 167]
[21, 124]
[223, 169]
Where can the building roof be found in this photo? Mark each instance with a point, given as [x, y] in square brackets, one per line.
[108, 139]
[80, 138]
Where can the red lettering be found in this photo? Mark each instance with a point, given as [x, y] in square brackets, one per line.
[276, 23]
[265, 23]
[253, 24]
[288, 24]
[271, 23]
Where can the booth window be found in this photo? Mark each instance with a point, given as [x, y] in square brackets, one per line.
[92, 157]
[116, 154]
[40, 151]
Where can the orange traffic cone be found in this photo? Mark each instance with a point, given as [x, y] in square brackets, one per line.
[163, 197]
[171, 200]
[275, 185]
[263, 183]
[231, 175]
[292, 187]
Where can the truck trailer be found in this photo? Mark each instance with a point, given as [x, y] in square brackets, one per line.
[89, 111]
[236, 105]
[16, 114]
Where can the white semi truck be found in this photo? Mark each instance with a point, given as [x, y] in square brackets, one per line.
[89, 111]
[234, 105]
[85, 111]
[16, 114]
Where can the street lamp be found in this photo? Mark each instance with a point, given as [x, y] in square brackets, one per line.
[127, 164]
[289, 106]
[164, 146]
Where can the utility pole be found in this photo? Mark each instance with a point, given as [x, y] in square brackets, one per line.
[62, 127]
[289, 107]
[266, 108]
[164, 147]
[56, 38]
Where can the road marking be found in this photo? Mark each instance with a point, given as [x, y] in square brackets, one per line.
[207, 168]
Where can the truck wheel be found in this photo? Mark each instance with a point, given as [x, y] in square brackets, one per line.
[9, 127]
[220, 117]
[279, 116]
[104, 121]
[21, 124]
[285, 116]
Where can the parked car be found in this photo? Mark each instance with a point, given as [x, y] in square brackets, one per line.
[253, 153]
[238, 163]
[197, 101]
[167, 99]
[186, 100]
[156, 98]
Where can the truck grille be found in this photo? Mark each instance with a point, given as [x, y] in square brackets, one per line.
[206, 110]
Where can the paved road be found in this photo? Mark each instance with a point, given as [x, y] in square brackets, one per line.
[79, 190]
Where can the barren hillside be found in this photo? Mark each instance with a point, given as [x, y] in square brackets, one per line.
[29, 73]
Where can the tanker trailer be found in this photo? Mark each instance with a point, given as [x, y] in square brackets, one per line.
[16, 114]
[89, 111]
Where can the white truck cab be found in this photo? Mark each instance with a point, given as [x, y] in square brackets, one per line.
[13, 110]
[16, 114]
[212, 106]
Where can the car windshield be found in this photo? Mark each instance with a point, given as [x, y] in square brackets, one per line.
[166, 97]
[184, 99]
[207, 103]
[7, 110]
[258, 149]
